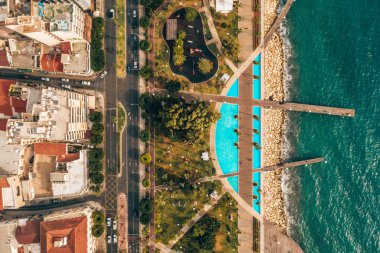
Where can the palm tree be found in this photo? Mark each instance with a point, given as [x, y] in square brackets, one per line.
[256, 117]
[256, 131]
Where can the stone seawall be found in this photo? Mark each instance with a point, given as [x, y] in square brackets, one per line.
[273, 121]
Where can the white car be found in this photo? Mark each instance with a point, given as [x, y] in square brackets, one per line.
[112, 13]
[103, 74]
[46, 79]
[135, 64]
[66, 86]
[86, 83]
[134, 13]
[114, 239]
[65, 80]
[109, 239]
[114, 225]
[108, 222]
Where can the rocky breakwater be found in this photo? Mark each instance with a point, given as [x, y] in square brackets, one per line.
[273, 121]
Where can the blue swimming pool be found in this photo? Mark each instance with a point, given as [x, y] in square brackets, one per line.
[256, 138]
[226, 152]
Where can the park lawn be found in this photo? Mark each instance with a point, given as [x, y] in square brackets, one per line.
[120, 39]
[178, 158]
[227, 215]
[174, 207]
[121, 120]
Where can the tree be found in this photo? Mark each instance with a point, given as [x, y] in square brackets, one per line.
[96, 139]
[96, 117]
[146, 182]
[179, 57]
[145, 158]
[190, 14]
[97, 230]
[173, 86]
[145, 22]
[97, 178]
[146, 206]
[97, 52]
[224, 25]
[181, 35]
[97, 217]
[144, 136]
[231, 47]
[145, 45]
[146, 72]
[205, 66]
[97, 128]
[95, 166]
[145, 101]
[187, 120]
[95, 154]
[145, 218]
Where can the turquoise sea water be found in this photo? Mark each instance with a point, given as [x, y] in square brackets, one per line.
[335, 207]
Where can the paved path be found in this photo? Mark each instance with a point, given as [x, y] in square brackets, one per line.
[245, 25]
[194, 220]
[211, 25]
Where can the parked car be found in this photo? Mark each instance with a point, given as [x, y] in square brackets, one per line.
[115, 239]
[135, 213]
[134, 12]
[86, 83]
[66, 86]
[114, 225]
[108, 222]
[54, 200]
[135, 65]
[103, 74]
[46, 79]
[65, 80]
[26, 77]
[109, 239]
[112, 14]
[128, 68]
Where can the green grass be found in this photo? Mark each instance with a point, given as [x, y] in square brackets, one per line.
[121, 118]
[174, 207]
[206, 30]
[120, 38]
[227, 235]
[178, 158]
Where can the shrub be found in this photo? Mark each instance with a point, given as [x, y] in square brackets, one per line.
[95, 154]
[97, 128]
[145, 101]
[145, 45]
[144, 136]
[95, 166]
[96, 117]
[146, 72]
[145, 218]
[224, 25]
[97, 230]
[190, 14]
[97, 36]
[205, 66]
[98, 217]
[146, 206]
[173, 86]
[145, 115]
[97, 178]
[146, 182]
[145, 159]
[96, 139]
[145, 22]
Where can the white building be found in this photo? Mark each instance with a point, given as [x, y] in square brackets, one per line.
[222, 6]
[60, 115]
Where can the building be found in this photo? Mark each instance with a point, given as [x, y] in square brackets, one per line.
[53, 23]
[59, 115]
[222, 6]
[11, 193]
[65, 231]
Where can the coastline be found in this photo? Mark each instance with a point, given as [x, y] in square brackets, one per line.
[273, 122]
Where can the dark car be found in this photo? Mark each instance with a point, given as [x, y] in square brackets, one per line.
[135, 213]
[135, 24]
[129, 68]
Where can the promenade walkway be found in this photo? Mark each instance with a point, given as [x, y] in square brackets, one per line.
[211, 25]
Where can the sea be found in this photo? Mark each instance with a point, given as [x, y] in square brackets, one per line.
[333, 58]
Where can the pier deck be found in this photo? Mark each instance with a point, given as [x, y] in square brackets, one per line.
[287, 106]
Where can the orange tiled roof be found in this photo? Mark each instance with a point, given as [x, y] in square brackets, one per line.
[29, 233]
[5, 101]
[3, 124]
[50, 148]
[74, 229]
[3, 184]
[51, 62]
[68, 158]
[3, 59]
